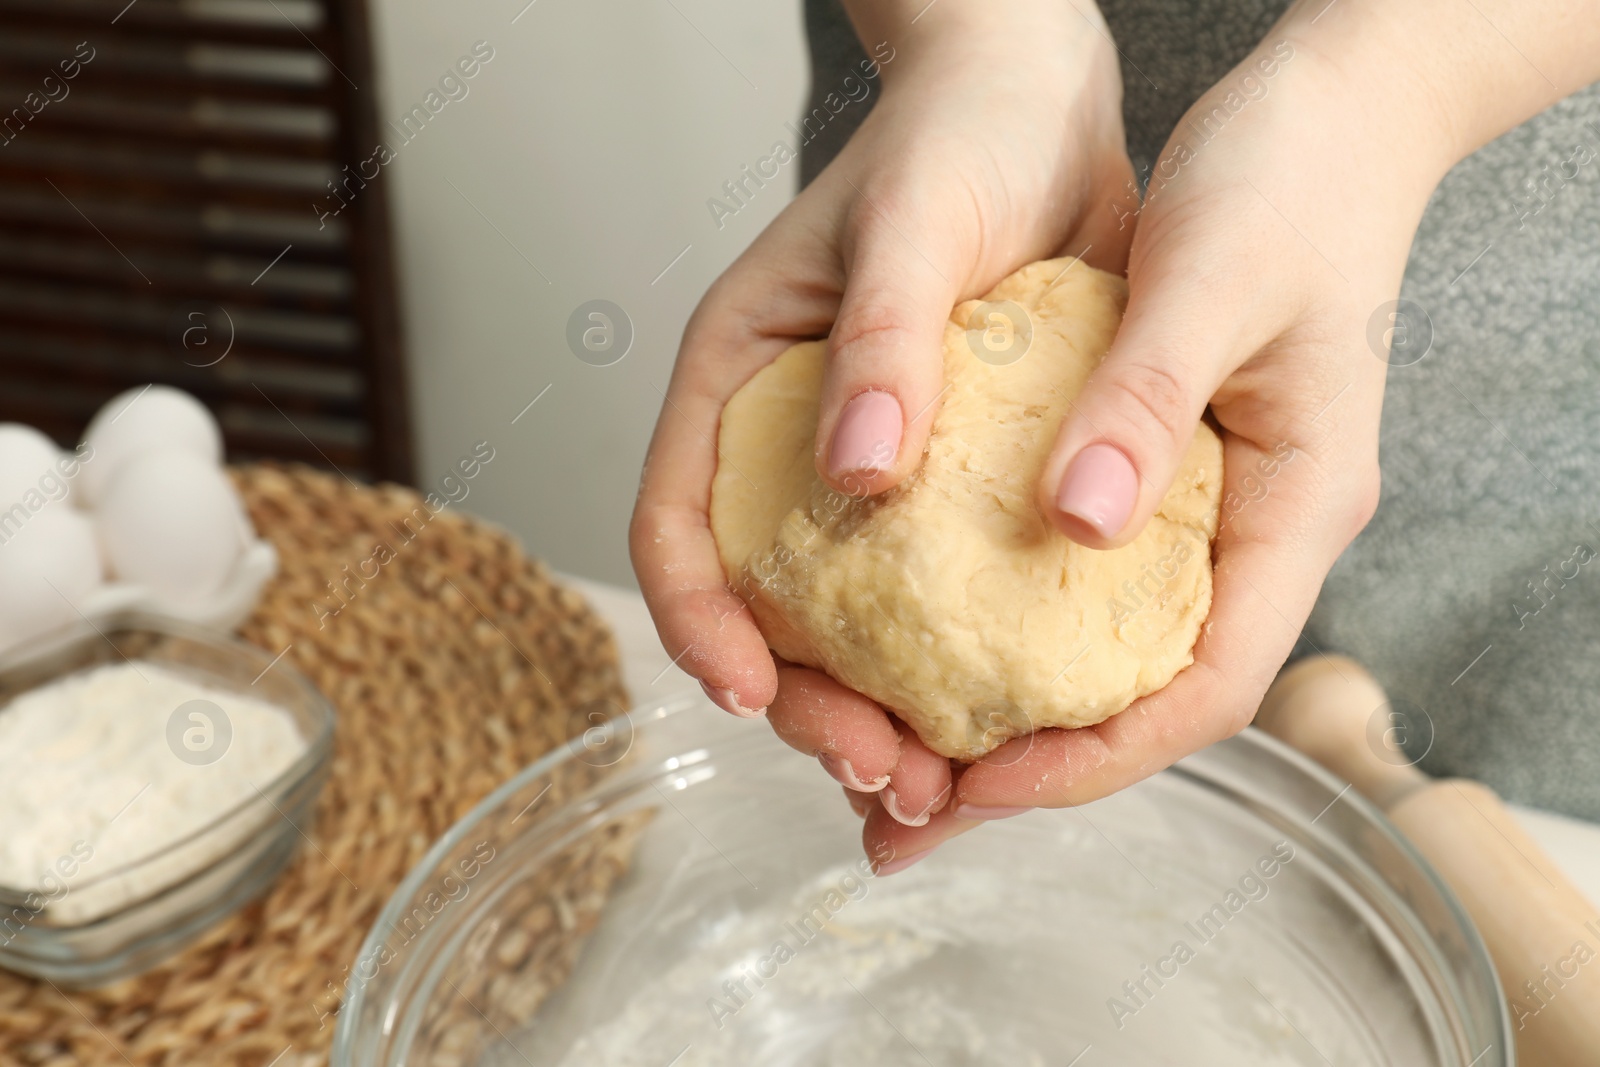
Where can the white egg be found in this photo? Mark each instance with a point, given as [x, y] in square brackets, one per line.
[48, 565]
[28, 462]
[140, 420]
[172, 521]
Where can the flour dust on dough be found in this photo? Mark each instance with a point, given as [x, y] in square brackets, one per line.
[950, 599]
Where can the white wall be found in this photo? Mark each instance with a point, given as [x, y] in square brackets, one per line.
[591, 141]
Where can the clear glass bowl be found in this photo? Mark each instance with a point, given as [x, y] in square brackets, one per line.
[95, 928]
[680, 888]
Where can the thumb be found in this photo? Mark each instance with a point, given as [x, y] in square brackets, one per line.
[1127, 433]
[885, 368]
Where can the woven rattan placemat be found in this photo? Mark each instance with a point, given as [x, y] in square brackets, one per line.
[459, 663]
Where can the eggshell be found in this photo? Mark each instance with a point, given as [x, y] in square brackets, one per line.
[143, 420]
[48, 565]
[26, 457]
[172, 521]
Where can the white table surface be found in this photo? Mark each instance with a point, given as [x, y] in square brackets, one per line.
[649, 674]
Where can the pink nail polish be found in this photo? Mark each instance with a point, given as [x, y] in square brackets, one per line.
[891, 804]
[1099, 488]
[974, 813]
[867, 435]
[845, 774]
[727, 701]
[898, 864]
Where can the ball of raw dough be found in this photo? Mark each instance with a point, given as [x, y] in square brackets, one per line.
[950, 599]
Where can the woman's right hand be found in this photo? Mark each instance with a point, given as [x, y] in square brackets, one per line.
[992, 147]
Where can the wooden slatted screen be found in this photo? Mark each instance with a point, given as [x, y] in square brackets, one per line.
[165, 169]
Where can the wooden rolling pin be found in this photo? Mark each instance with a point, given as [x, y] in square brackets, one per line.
[1543, 934]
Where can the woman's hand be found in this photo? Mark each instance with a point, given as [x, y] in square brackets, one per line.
[998, 141]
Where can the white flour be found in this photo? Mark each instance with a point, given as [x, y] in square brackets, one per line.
[85, 761]
[832, 1003]
[978, 964]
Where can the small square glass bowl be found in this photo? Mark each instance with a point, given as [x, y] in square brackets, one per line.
[85, 927]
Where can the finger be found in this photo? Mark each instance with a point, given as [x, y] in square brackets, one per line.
[850, 735]
[886, 350]
[705, 627]
[919, 785]
[893, 846]
[1130, 428]
[1267, 575]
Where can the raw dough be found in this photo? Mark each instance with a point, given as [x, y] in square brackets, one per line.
[949, 599]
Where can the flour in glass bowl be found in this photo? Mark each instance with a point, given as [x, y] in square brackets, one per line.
[87, 772]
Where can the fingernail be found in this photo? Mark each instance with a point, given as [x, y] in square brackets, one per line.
[899, 864]
[891, 804]
[974, 813]
[867, 435]
[725, 699]
[845, 774]
[1099, 488]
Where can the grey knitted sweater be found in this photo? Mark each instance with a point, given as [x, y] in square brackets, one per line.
[1474, 595]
